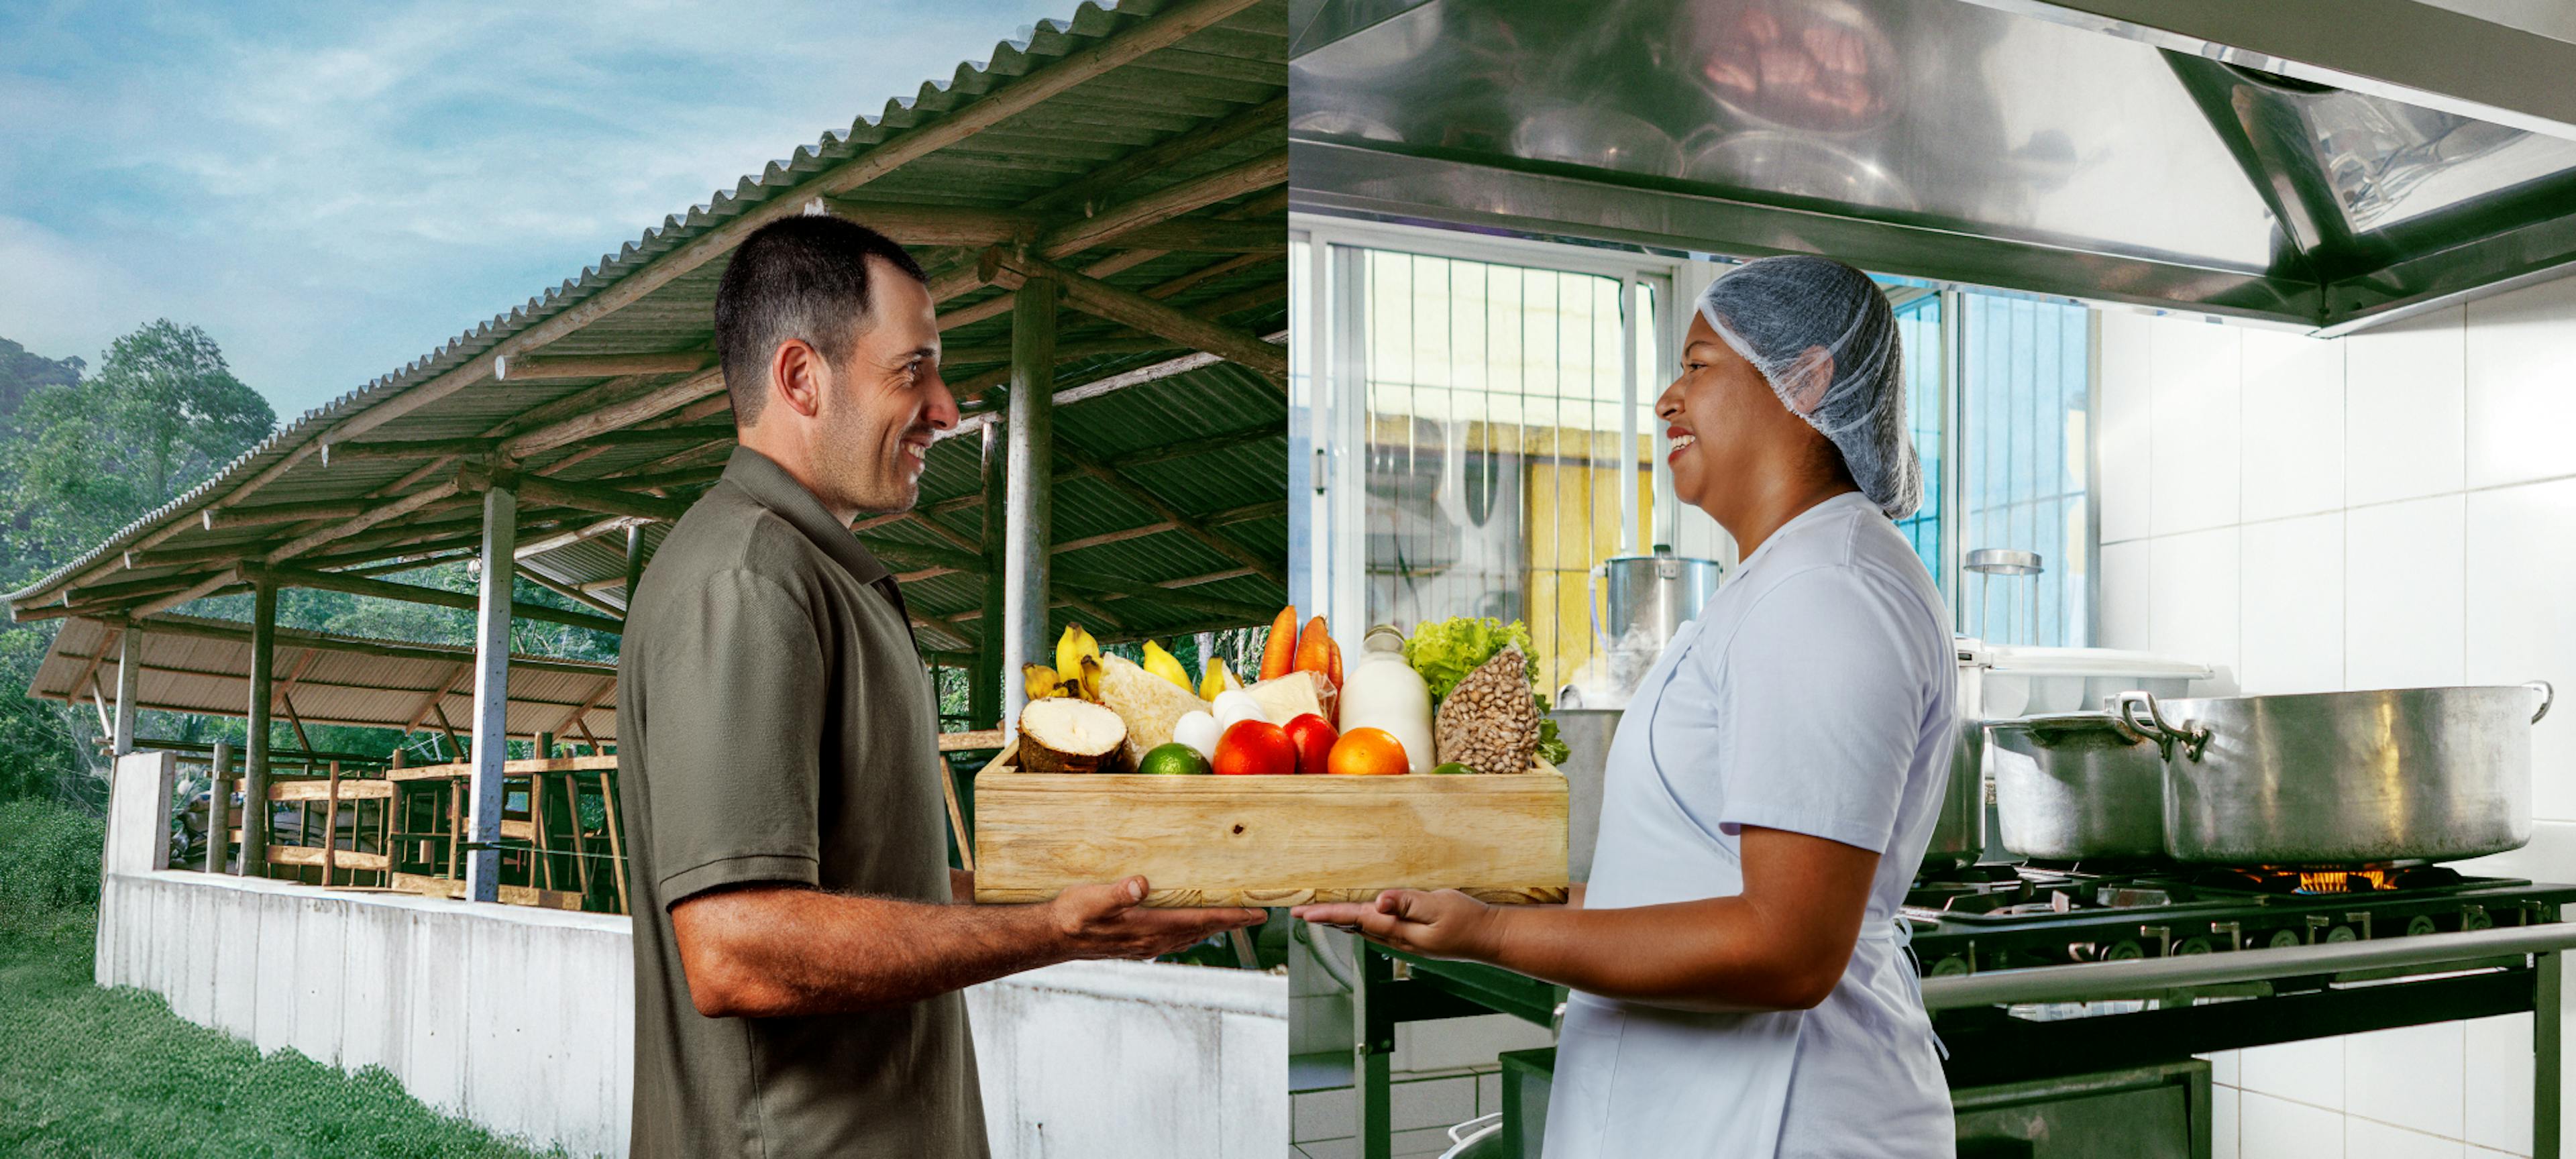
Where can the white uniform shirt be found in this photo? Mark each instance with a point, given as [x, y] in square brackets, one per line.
[1816, 693]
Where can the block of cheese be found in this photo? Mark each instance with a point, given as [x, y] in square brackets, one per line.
[1148, 703]
[1287, 697]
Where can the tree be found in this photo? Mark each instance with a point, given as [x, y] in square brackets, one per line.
[176, 408]
[86, 458]
[79, 460]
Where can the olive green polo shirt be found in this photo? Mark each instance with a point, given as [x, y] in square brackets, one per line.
[775, 725]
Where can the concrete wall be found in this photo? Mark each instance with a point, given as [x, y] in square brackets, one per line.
[523, 1019]
[2391, 509]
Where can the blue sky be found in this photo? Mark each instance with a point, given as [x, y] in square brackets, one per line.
[334, 189]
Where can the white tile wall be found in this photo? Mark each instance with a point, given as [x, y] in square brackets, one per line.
[2193, 596]
[2293, 442]
[2408, 1077]
[2364, 1139]
[2393, 508]
[2521, 386]
[2125, 405]
[2292, 606]
[2193, 374]
[2498, 1083]
[2127, 580]
[2522, 620]
[2405, 576]
[2279, 1127]
[2402, 419]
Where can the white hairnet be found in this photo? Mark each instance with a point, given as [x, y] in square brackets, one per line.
[1825, 339]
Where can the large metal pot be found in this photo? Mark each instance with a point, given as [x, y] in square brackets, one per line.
[1959, 822]
[2078, 787]
[2345, 778]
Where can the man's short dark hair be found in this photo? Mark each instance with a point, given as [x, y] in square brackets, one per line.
[798, 277]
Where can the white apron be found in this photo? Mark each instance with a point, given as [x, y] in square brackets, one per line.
[1719, 1082]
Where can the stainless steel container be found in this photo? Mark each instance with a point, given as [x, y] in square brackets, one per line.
[2078, 787]
[2345, 778]
[1959, 824]
[1657, 593]
[1587, 734]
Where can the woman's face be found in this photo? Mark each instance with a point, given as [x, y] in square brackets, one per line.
[1725, 427]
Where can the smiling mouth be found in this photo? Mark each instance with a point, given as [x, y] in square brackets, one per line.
[1681, 442]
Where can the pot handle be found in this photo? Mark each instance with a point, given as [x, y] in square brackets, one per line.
[2548, 696]
[2194, 740]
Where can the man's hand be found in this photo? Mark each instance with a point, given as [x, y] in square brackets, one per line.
[1106, 921]
[1442, 924]
[961, 886]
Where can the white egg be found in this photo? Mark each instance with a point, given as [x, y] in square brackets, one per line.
[1199, 731]
[1233, 707]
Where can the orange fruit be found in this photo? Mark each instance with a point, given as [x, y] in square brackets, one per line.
[1366, 752]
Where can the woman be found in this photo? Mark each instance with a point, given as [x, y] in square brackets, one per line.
[1741, 986]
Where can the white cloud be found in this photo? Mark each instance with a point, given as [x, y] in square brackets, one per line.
[334, 191]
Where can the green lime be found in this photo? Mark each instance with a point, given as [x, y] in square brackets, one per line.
[1174, 759]
[1452, 769]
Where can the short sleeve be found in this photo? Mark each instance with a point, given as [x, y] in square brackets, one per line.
[734, 688]
[1822, 708]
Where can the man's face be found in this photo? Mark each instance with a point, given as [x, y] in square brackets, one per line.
[885, 401]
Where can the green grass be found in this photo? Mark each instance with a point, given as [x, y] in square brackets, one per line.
[85, 1071]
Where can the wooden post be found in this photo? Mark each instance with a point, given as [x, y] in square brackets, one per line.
[331, 826]
[219, 807]
[580, 848]
[263, 669]
[455, 830]
[543, 874]
[616, 840]
[1031, 472]
[129, 680]
[634, 562]
[984, 690]
[491, 694]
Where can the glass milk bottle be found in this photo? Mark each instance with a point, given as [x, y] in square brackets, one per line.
[1382, 691]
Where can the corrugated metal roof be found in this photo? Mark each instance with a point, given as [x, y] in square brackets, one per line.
[1191, 85]
[203, 666]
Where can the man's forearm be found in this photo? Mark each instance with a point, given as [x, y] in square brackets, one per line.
[782, 951]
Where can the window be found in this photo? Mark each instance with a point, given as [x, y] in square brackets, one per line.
[1486, 435]
[1503, 441]
[2027, 368]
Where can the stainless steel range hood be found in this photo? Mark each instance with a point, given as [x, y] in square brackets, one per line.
[2324, 163]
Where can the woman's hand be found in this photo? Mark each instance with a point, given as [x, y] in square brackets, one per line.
[1441, 924]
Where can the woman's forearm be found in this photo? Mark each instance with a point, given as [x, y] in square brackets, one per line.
[1713, 955]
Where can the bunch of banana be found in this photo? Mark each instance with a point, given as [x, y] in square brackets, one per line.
[1076, 673]
[1166, 665]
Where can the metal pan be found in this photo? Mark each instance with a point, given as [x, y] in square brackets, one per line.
[2078, 786]
[2345, 778]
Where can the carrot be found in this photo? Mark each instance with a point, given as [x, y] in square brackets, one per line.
[1333, 660]
[1279, 656]
[1311, 655]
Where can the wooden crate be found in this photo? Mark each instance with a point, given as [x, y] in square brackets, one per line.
[1269, 841]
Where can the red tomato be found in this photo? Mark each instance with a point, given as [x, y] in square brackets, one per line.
[1255, 748]
[1314, 737]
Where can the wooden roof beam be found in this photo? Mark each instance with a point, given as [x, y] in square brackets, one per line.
[608, 418]
[1123, 221]
[1270, 115]
[585, 496]
[1129, 308]
[224, 518]
[574, 594]
[1206, 536]
[555, 367]
[330, 581]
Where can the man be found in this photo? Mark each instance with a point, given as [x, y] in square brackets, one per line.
[799, 938]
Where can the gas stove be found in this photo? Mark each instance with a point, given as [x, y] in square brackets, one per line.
[1996, 917]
